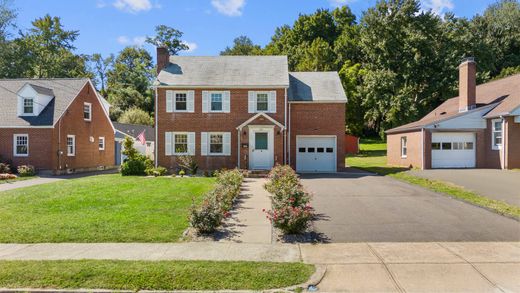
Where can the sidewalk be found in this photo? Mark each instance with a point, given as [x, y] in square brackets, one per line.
[380, 267]
[248, 223]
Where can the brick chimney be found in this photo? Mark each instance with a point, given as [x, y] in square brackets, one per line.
[163, 57]
[467, 85]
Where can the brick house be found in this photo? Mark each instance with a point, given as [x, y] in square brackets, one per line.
[247, 112]
[58, 125]
[478, 129]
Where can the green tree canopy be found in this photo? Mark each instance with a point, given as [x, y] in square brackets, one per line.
[135, 115]
[168, 37]
[242, 45]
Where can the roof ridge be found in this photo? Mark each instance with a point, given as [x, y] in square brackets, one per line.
[500, 79]
[51, 78]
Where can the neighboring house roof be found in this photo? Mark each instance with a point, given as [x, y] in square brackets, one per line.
[505, 93]
[315, 87]
[225, 71]
[64, 90]
[134, 130]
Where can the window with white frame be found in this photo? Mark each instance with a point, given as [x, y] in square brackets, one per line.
[181, 143]
[21, 145]
[71, 145]
[181, 102]
[403, 147]
[216, 143]
[262, 102]
[216, 102]
[101, 143]
[28, 106]
[496, 132]
[87, 111]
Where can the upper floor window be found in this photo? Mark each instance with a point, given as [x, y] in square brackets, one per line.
[87, 111]
[216, 102]
[496, 132]
[71, 145]
[262, 102]
[21, 145]
[404, 148]
[181, 102]
[28, 105]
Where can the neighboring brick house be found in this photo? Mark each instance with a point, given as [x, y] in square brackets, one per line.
[58, 125]
[247, 112]
[478, 129]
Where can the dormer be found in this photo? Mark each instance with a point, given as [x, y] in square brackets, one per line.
[32, 99]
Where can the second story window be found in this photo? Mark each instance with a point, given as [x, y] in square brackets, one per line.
[216, 102]
[28, 106]
[87, 111]
[262, 102]
[181, 103]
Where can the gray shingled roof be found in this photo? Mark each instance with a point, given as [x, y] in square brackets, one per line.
[316, 87]
[135, 129]
[223, 71]
[63, 90]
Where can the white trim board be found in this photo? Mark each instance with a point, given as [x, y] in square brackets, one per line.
[257, 116]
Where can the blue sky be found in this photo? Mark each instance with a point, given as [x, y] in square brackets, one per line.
[107, 26]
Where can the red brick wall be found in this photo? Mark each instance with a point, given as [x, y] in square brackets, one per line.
[351, 144]
[513, 143]
[490, 158]
[40, 147]
[215, 122]
[318, 119]
[88, 154]
[414, 151]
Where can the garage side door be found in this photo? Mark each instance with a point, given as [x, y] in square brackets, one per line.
[453, 150]
[316, 154]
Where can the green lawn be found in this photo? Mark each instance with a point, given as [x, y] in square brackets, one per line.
[17, 179]
[152, 275]
[103, 208]
[372, 158]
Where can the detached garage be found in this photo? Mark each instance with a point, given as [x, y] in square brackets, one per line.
[316, 153]
[453, 150]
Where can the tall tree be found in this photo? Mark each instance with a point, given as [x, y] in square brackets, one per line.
[7, 17]
[99, 67]
[168, 37]
[242, 45]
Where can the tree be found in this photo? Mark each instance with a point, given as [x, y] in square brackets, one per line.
[99, 67]
[7, 17]
[319, 56]
[242, 45]
[352, 79]
[136, 116]
[168, 37]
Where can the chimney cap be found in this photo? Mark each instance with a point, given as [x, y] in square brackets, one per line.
[467, 59]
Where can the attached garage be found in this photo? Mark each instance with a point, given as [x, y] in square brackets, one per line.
[316, 153]
[453, 150]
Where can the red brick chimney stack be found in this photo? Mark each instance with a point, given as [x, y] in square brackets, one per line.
[163, 57]
[467, 84]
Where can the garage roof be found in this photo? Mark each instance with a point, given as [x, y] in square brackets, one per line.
[316, 87]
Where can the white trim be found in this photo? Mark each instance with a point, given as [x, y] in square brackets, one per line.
[285, 132]
[269, 98]
[404, 146]
[320, 136]
[73, 145]
[100, 139]
[208, 101]
[222, 86]
[188, 144]
[89, 111]
[23, 127]
[23, 106]
[15, 140]
[156, 145]
[270, 143]
[494, 146]
[263, 114]
[422, 148]
[174, 101]
[318, 102]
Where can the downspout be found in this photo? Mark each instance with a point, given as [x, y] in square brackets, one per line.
[285, 131]
[289, 143]
[239, 131]
[156, 144]
[503, 142]
[59, 145]
[422, 148]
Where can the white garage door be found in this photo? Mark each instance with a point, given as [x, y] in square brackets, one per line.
[316, 153]
[453, 150]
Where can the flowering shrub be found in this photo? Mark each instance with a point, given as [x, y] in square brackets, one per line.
[7, 176]
[217, 203]
[26, 170]
[291, 211]
[5, 168]
[159, 171]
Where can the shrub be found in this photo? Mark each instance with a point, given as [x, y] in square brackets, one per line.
[207, 217]
[5, 168]
[159, 171]
[135, 163]
[182, 173]
[230, 177]
[188, 164]
[7, 176]
[291, 220]
[26, 170]
[133, 167]
[282, 178]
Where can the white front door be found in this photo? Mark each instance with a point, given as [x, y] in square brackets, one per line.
[316, 153]
[261, 147]
[453, 150]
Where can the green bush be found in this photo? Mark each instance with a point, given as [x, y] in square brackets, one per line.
[26, 170]
[206, 218]
[159, 171]
[5, 168]
[188, 164]
[133, 167]
[135, 163]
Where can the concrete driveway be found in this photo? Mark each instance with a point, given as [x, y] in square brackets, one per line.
[492, 183]
[356, 206]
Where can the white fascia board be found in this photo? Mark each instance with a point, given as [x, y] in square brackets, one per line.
[221, 86]
[473, 119]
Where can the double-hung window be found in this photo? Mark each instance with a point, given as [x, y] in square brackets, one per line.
[71, 145]
[262, 102]
[216, 102]
[181, 102]
[101, 143]
[21, 145]
[404, 148]
[181, 143]
[216, 143]
[28, 106]
[87, 111]
[496, 133]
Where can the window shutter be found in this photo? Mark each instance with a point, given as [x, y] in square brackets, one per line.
[169, 101]
[272, 102]
[205, 101]
[191, 101]
[191, 143]
[168, 143]
[227, 143]
[203, 143]
[226, 101]
[251, 102]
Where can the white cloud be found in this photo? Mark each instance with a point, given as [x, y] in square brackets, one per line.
[337, 3]
[439, 7]
[229, 7]
[135, 41]
[192, 46]
[101, 4]
[133, 6]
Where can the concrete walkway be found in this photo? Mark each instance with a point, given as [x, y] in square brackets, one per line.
[362, 267]
[248, 223]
